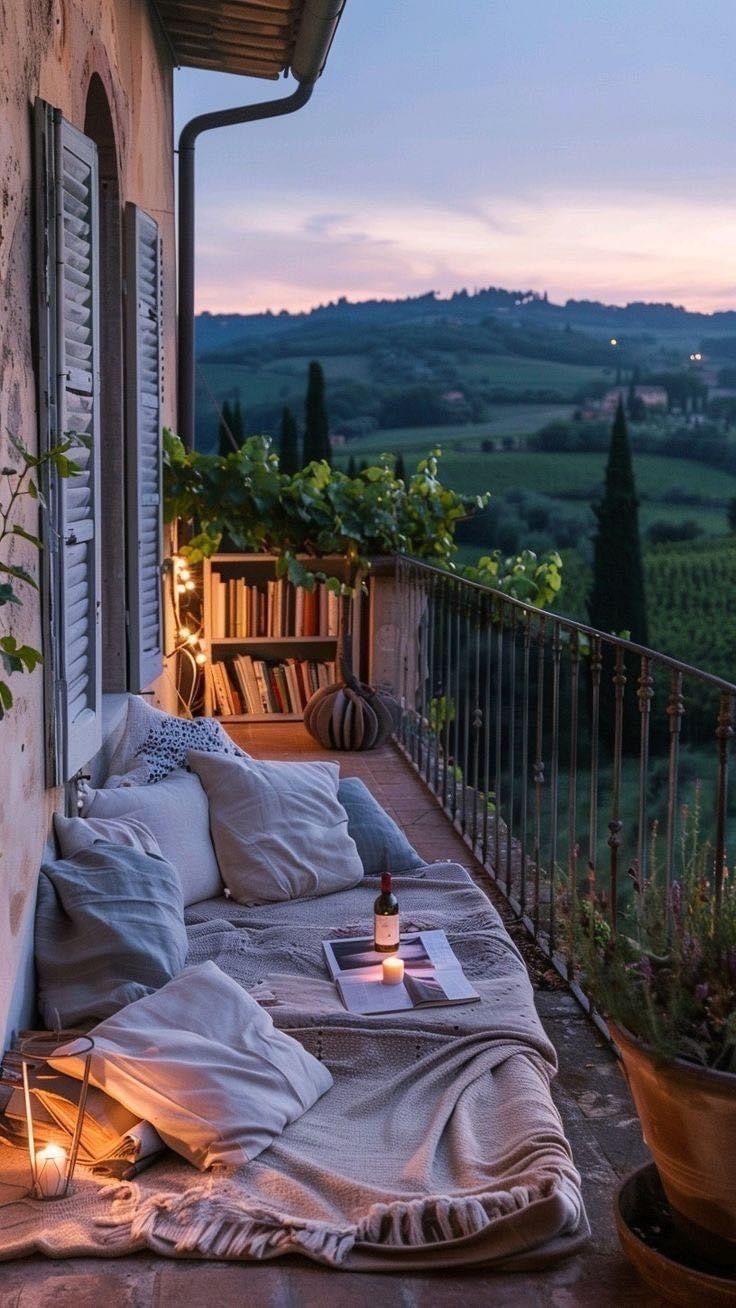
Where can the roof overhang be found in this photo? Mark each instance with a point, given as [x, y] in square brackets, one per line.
[253, 38]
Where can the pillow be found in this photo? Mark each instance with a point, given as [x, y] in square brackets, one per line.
[175, 811]
[202, 1062]
[74, 833]
[278, 828]
[382, 845]
[154, 743]
[109, 929]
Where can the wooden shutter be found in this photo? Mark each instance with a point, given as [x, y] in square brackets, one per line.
[143, 448]
[70, 325]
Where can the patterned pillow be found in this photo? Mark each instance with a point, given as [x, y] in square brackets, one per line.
[167, 744]
[154, 743]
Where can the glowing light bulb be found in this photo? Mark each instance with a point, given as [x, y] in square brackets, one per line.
[613, 341]
[184, 633]
[200, 658]
[180, 589]
[185, 574]
[189, 585]
[192, 640]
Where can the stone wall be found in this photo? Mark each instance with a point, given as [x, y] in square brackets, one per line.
[52, 49]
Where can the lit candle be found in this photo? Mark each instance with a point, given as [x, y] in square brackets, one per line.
[393, 970]
[51, 1165]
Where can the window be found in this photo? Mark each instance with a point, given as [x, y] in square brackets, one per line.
[143, 427]
[67, 233]
[70, 333]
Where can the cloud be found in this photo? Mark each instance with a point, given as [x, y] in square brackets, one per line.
[277, 254]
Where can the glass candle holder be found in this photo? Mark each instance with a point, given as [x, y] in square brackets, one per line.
[52, 1165]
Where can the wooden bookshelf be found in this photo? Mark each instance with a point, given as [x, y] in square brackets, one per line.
[254, 572]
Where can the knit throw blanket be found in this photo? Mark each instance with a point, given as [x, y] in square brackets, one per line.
[438, 1146]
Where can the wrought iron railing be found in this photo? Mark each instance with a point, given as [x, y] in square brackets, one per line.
[563, 755]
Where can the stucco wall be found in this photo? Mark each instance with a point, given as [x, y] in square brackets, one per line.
[52, 48]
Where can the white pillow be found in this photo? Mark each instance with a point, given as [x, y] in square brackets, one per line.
[175, 811]
[202, 1062]
[279, 829]
[75, 833]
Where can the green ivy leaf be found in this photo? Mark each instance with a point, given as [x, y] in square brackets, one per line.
[20, 574]
[27, 535]
[7, 594]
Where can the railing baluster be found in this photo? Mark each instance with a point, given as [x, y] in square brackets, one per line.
[477, 724]
[572, 797]
[458, 697]
[525, 762]
[645, 692]
[511, 745]
[596, 664]
[498, 617]
[724, 732]
[675, 712]
[615, 826]
[554, 781]
[539, 770]
[423, 608]
[467, 712]
[447, 694]
[487, 647]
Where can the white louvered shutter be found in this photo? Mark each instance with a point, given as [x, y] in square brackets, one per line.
[143, 453]
[75, 502]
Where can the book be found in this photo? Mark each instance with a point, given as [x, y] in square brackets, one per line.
[433, 977]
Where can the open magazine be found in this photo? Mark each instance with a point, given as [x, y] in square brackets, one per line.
[433, 977]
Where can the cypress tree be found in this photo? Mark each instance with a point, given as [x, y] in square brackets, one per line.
[224, 444]
[238, 424]
[352, 470]
[617, 600]
[399, 469]
[316, 427]
[231, 429]
[289, 443]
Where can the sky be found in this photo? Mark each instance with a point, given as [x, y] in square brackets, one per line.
[582, 147]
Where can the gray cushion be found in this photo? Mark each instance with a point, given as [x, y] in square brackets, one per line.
[109, 930]
[175, 811]
[382, 846]
[278, 828]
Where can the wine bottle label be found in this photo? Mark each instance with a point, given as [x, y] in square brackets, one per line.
[387, 929]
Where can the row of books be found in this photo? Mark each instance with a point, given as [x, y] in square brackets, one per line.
[244, 685]
[276, 609]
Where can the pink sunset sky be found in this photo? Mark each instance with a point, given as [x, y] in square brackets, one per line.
[585, 149]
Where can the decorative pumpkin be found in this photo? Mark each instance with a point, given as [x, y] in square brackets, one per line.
[349, 714]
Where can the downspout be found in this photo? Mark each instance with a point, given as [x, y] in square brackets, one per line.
[317, 29]
[248, 113]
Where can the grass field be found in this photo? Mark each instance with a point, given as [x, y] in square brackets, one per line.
[581, 476]
[516, 373]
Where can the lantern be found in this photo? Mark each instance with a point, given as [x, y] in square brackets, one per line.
[52, 1165]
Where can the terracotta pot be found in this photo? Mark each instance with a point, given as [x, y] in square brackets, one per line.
[688, 1118]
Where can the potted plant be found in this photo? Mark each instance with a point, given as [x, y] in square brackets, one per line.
[666, 982]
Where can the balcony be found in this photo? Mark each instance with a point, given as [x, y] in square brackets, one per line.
[551, 761]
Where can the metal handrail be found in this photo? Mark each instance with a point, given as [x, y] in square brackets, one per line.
[528, 727]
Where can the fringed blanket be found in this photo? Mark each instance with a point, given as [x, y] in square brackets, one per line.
[438, 1146]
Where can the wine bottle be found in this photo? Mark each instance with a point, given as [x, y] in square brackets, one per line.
[386, 918]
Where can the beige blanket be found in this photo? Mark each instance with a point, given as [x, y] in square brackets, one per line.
[438, 1146]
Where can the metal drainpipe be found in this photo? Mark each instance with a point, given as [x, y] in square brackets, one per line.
[249, 113]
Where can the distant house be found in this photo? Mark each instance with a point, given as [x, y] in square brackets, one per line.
[652, 397]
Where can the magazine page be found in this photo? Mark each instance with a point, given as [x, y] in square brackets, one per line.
[432, 974]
